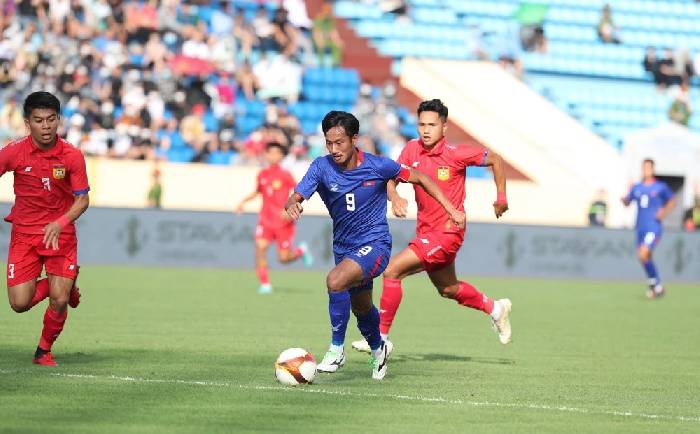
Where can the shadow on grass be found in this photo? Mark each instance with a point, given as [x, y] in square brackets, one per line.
[437, 357]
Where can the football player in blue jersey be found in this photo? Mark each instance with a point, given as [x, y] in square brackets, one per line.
[352, 185]
[654, 200]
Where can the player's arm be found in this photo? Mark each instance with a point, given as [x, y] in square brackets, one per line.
[303, 191]
[53, 230]
[78, 182]
[251, 196]
[627, 199]
[419, 178]
[399, 205]
[293, 206]
[495, 162]
[670, 204]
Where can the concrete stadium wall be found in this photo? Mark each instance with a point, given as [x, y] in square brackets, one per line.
[566, 161]
[211, 239]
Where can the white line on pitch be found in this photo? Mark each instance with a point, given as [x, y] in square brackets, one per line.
[315, 390]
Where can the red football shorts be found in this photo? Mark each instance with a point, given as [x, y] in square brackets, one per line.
[436, 250]
[282, 234]
[28, 255]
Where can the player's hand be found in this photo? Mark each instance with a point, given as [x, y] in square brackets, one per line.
[51, 233]
[661, 214]
[499, 208]
[239, 209]
[458, 218]
[399, 206]
[294, 211]
[285, 216]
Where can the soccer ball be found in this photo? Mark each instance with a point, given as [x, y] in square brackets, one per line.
[295, 366]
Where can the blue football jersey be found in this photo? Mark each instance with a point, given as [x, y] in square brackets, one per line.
[356, 198]
[650, 198]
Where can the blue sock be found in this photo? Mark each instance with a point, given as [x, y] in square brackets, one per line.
[339, 311]
[369, 327]
[652, 274]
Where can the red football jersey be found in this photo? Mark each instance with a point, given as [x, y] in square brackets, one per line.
[447, 166]
[45, 183]
[275, 185]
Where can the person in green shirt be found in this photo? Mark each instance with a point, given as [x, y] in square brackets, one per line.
[691, 219]
[326, 37]
[156, 191]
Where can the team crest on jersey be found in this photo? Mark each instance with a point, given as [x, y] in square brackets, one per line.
[443, 173]
[276, 184]
[59, 172]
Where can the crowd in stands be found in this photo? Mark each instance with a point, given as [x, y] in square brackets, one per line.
[161, 79]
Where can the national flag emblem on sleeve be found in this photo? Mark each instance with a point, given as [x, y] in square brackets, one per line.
[443, 173]
[59, 172]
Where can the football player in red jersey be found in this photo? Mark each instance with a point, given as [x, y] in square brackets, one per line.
[437, 239]
[51, 192]
[274, 184]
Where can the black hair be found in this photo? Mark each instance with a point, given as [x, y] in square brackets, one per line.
[278, 145]
[649, 160]
[341, 119]
[434, 105]
[41, 100]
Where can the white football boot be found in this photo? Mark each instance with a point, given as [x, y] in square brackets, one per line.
[332, 361]
[502, 325]
[379, 363]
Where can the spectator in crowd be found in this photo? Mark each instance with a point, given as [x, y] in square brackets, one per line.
[11, 119]
[285, 33]
[264, 30]
[680, 110]
[176, 81]
[691, 218]
[668, 72]
[684, 66]
[326, 38]
[155, 192]
[598, 211]
[651, 65]
[608, 32]
[396, 7]
[244, 34]
[532, 38]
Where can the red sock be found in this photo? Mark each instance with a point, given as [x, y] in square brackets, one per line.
[53, 325]
[41, 291]
[389, 304]
[262, 275]
[470, 297]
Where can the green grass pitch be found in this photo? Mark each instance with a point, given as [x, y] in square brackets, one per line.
[155, 350]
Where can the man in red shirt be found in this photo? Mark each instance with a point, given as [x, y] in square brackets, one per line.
[437, 239]
[51, 192]
[274, 184]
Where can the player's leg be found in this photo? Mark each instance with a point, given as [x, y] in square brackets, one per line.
[338, 280]
[402, 265]
[361, 267]
[368, 322]
[285, 247]
[24, 265]
[647, 241]
[447, 284]
[261, 270]
[62, 269]
[54, 318]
